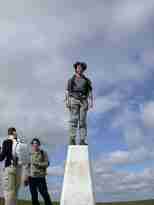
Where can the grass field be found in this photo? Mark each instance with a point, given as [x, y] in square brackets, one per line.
[146, 202]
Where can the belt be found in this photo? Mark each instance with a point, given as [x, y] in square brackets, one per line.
[79, 97]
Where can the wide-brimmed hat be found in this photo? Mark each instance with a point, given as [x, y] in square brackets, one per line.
[82, 64]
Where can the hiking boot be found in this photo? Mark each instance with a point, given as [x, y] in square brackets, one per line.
[82, 142]
[72, 142]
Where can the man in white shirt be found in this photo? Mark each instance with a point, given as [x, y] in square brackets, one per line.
[12, 170]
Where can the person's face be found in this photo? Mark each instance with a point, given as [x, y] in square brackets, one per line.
[35, 147]
[79, 69]
[14, 134]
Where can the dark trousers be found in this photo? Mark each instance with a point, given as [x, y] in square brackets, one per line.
[39, 184]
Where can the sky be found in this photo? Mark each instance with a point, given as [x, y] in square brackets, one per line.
[39, 42]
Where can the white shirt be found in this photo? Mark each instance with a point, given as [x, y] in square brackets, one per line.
[14, 145]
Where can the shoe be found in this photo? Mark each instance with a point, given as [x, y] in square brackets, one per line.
[72, 142]
[82, 142]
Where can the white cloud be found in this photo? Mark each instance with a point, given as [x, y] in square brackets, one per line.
[148, 114]
[120, 157]
[130, 15]
[107, 102]
[115, 185]
[147, 57]
[56, 171]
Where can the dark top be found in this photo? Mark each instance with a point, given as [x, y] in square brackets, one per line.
[6, 152]
[79, 88]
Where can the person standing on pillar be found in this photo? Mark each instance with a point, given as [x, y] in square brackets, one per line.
[12, 170]
[79, 99]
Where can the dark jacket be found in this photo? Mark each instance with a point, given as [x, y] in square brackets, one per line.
[6, 152]
[86, 89]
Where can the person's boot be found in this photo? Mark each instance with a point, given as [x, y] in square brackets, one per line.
[72, 142]
[82, 142]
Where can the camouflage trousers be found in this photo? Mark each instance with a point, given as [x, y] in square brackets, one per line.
[78, 118]
[11, 183]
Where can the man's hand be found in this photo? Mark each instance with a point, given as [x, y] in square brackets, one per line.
[90, 101]
[26, 181]
[67, 104]
[67, 99]
[90, 105]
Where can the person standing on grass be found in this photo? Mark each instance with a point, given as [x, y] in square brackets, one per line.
[37, 171]
[12, 167]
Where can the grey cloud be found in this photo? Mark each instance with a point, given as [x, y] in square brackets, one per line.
[34, 67]
[131, 124]
[116, 185]
[40, 40]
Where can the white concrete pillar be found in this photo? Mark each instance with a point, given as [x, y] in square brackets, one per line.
[77, 185]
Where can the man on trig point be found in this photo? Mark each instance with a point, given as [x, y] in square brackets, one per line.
[79, 99]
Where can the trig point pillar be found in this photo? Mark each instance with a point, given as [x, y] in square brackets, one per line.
[77, 185]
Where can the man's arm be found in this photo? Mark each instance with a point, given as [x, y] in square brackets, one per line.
[3, 152]
[90, 96]
[67, 98]
[44, 163]
[91, 99]
[26, 174]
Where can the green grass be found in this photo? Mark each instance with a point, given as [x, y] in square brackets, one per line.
[146, 202]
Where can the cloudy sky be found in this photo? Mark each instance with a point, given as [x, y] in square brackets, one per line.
[39, 42]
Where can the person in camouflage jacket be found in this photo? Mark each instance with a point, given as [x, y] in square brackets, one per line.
[37, 171]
